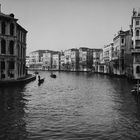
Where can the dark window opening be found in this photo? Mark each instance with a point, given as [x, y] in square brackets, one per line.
[138, 69]
[122, 40]
[3, 46]
[10, 74]
[11, 29]
[137, 22]
[123, 65]
[137, 32]
[11, 65]
[2, 74]
[132, 42]
[3, 28]
[11, 47]
[2, 65]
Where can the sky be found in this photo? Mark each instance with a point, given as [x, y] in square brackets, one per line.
[63, 24]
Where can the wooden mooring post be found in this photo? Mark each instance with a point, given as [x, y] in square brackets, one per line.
[137, 90]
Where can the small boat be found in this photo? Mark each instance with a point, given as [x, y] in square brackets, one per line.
[53, 75]
[40, 81]
[135, 91]
[36, 72]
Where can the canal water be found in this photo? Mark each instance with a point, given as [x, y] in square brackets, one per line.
[74, 106]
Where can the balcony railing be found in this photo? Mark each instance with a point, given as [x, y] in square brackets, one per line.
[135, 50]
[137, 37]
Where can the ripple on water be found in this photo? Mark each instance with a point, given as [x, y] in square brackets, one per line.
[74, 106]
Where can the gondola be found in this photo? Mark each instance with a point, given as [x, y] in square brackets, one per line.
[40, 81]
[135, 91]
[53, 75]
[36, 72]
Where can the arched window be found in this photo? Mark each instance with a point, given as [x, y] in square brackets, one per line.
[3, 28]
[11, 47]
[138, 69]
[11, 29]
[137, 32]
[3, 46]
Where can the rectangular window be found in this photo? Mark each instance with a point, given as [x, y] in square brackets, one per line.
[3, 65]
[137, 43]
[122, 40]
[11, 65]
[2, 75]
[137, 22]
[122, 53]
[137, 58]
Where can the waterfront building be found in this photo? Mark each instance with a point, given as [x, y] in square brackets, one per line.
[56, 61]
[96, 59]
[12, 48]
[62, 61]
[107, 56]
[135, 29]
[71, 59]
[85, 59]
[47, 60]
[27, 61]
[128, 57]
[67, 59]
[101, 64]
[121, 52]
[74, 59]
[36, 59]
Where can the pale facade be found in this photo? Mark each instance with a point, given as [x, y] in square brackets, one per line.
[56, 61]
[96, 59]
[35, 58]
[85, 59]
[62, 61]
[47, 60]
[74, 59]
[67, 60]
[71, 60]
[135, 28]
[118, 53]
[107, 56]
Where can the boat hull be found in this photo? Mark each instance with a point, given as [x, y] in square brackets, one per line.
[18, 81]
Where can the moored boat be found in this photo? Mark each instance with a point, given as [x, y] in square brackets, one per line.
[19, 81]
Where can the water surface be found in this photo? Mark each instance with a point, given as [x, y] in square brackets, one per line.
[74, 106]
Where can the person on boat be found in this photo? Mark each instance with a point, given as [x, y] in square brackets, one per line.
[38, 77]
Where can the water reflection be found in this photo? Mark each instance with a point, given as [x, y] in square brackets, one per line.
[12, 124]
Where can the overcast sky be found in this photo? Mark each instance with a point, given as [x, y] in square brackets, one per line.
[64, 24]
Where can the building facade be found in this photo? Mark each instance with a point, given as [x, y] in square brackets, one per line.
[74, 59]
[36, 59]
[85, 59]
[47, 60]
[56, 61]
[96, 59]
[118, 53]
[135, 29]
[12, 48]
[107, 57]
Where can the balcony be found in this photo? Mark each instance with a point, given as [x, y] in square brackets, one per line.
[135, 50]
[137, 37]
